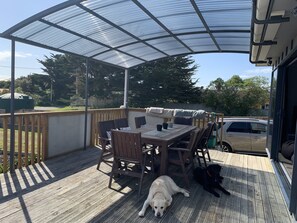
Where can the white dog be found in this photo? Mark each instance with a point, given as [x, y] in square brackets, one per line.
[160, 195]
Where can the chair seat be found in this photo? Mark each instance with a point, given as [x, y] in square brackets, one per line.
[202, 146]
[183, 157]
[103, 128]
[173, 158]
[129, 156]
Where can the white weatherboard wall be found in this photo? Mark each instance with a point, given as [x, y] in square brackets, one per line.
[66, 133]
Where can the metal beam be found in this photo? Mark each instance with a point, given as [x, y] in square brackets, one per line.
[265, 43]
[40, 15]
[86, 103]
[89, 39]
[272, 20]
[58, 50]
[161, 24]
[126, 88]
[205, 24]
[12, 135]
[119, 28]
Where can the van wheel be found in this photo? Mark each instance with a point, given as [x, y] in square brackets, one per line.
[226, 147]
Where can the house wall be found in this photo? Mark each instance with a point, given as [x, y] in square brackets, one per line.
[285, 128]
[66, 133]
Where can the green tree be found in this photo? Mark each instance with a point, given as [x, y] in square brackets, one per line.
[62, 77]
[237, 96]
[150, 84]
[68, 74]
[35, 85]
[164, 80]
[5, 84]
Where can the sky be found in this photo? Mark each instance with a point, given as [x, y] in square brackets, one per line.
[210, 66]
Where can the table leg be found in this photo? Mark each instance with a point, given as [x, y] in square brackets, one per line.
[164, 159]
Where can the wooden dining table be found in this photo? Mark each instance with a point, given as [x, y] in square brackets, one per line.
[164, 138]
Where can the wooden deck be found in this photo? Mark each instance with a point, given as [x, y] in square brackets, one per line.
[70, 189]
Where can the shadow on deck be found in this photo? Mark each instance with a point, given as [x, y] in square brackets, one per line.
[70, 189]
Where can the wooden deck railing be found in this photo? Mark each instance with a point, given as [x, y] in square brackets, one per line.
[30, 143]
[32, 133]
[104, 115]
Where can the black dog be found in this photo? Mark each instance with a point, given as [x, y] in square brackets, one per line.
[210, 178]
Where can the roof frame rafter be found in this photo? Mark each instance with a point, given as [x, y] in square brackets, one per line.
[119, 28]
[161, 24]
[89, 39]
[205, 24]
[122, 47]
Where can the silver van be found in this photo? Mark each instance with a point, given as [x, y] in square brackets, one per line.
[244, 135]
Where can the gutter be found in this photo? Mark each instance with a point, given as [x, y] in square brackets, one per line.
[268, 20]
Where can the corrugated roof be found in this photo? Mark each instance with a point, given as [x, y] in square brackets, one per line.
[126, 33]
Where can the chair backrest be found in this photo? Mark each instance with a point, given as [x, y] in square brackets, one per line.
[209, 129]
[193, 137]
[191, 147]
[200, 139]
[126, 145]
[206, 135]
[104, 126]
[183, 120]
[139, 121]
[121, 123]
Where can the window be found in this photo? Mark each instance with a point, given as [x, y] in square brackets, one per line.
[259, 128]
[271, 107]
[239, 127]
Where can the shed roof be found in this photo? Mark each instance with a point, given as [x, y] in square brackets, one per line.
[126, 33]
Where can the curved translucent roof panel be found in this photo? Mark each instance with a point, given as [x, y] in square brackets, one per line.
[126, 33]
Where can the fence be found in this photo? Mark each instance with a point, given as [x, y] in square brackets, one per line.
[38, 134]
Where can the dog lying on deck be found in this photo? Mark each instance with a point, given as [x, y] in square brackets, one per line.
[160, 195]
[210, 178]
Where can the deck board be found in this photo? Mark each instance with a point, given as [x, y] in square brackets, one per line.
[70, 189]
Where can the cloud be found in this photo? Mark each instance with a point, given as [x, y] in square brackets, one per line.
[265, 71]
[4, 55]
[259, 71]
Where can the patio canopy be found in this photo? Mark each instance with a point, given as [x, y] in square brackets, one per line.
[126, 33]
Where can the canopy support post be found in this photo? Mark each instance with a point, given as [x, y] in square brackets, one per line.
[12, 136]
[126, 88]
[86, 103]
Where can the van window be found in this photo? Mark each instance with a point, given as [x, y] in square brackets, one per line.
[239, 127]
[218, 126]
[259, 128]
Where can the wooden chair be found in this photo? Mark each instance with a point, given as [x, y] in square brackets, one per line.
[139, 121]
[121, 123]
[184, 156]
[202, 146]
[128, 154]
[103, 128]
[183, 120]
